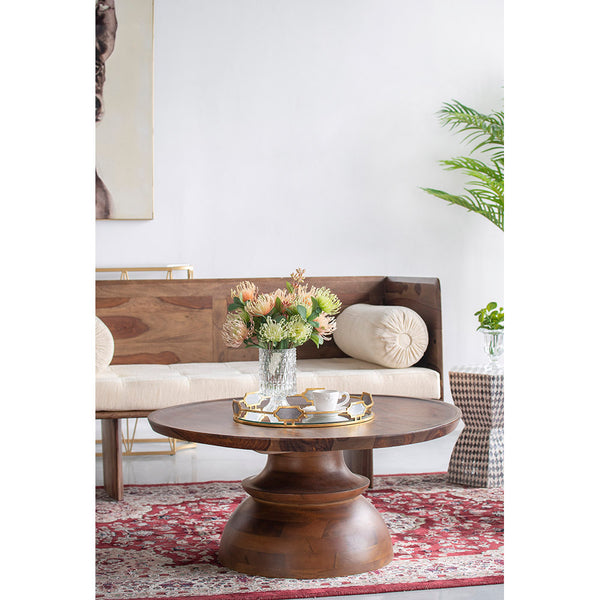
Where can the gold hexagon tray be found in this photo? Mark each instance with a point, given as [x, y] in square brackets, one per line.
[254, 409]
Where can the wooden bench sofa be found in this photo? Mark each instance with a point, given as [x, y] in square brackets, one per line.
[168, 350]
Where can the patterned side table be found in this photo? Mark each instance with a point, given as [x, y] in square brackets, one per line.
[478, 457]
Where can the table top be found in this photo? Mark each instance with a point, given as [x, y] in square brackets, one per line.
[398, 421]
[488, 369]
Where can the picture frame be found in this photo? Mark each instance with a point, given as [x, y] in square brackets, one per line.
[124, 109]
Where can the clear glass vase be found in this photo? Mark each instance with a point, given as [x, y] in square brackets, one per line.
[493, 345]
[277, 375]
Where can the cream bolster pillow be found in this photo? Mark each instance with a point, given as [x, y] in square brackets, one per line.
[105, 345]
[390, 336]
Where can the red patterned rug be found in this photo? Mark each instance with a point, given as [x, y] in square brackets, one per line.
[161, 542]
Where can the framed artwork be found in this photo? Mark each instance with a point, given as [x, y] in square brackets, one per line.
[124, 109]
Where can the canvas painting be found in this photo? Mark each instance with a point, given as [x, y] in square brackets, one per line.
[124, 109]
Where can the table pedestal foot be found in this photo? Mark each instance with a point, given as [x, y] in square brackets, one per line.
[305, 518]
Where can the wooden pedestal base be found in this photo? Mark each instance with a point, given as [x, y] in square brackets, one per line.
[305, 518]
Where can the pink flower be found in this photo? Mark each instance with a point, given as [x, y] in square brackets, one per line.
[297, 277]
[261, 306]
[245, 291]
[235, 330]
[286, 298]
[326, 326]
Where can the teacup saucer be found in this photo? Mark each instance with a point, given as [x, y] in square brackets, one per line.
[332, 417]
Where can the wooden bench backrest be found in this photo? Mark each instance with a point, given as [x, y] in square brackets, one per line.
[173, 321]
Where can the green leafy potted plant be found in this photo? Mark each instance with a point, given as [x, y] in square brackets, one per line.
[491, 323]
[484, 195]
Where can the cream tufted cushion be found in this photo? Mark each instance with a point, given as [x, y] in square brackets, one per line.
[390, 336]
[148, 387]
[105, 345]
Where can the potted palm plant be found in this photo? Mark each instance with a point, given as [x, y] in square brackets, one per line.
[483, 195]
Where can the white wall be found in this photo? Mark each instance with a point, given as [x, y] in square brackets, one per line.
[297, 133]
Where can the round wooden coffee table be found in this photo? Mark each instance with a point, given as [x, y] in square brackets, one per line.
[306, 516]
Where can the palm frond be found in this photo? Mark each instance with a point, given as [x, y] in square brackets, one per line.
[492, 212]
[485, 194]
[472, 165]
[487, 191]
[487, 128]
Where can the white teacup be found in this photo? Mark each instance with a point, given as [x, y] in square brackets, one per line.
[329, 400]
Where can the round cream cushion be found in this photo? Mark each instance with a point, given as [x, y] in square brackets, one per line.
[390, 336]
[105, 345]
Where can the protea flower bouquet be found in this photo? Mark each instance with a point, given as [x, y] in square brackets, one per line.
[277, 323]
[281, 319]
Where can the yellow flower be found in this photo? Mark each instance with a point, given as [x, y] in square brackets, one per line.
[271, 331]
[261, 306]
[328, 302]
[298, 330]
[245, 291]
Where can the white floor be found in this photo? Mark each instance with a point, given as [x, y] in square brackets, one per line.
[206, 463]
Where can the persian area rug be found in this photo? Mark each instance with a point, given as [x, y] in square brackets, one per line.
[161, 542]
